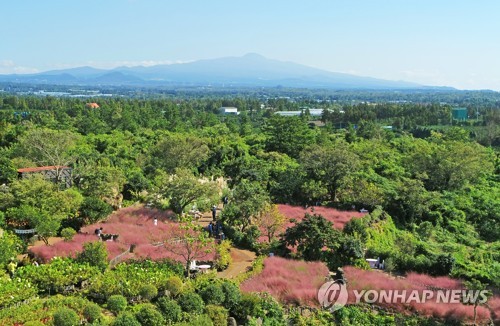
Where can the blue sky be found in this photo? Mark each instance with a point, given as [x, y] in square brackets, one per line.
[438, 42]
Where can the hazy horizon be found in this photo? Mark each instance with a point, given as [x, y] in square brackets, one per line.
[445, 43]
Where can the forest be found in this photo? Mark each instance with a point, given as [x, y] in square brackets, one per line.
[430, 185]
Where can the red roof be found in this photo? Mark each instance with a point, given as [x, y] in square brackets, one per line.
[42, 168]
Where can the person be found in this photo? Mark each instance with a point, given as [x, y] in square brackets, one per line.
[225, 200]
[214, 212]
[98, 232]
[210, 228]
[155, 221]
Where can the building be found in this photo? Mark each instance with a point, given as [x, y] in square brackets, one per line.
[228, 110]
[459, 114]
[61, 174]
[316, 113]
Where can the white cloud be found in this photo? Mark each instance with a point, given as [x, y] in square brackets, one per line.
[10, 67]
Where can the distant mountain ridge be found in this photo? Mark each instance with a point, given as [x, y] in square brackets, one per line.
[251, 70]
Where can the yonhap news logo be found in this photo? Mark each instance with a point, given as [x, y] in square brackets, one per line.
[333, 295]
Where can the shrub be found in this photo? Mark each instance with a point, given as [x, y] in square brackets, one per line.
[149, 316]
[148, 292]
[191, 302]
[170, 310]
[95, 254]
[34, 323]
[232, 294]
[126, 319]
[174, 285]
[213, 294]
[117, 303]
[66, 317]
[94, 209]
[92, 312]
[68, 233]
[248, 306]
[223, 255]
[217, 314]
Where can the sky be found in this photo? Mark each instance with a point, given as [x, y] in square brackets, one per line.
[432, 42]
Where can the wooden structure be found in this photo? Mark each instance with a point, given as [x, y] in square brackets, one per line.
[57, 174]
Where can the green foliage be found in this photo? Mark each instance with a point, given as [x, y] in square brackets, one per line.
[183, 189]
[232, 294]
[116, 303]
[148, 292]
[15, 290]
[170, 310]
[10, 246]
[149, 316]
[310, 236]
[248, 200]
[95, 254]
[213, 294]
[174, 285]
[66, 317]
[127, 279]
[94, 209]
[217, 314]
[191, 302]
[126, 319]
[92, 313]
[223, 255]
[288, 135]
[57, 275]
[68, 233]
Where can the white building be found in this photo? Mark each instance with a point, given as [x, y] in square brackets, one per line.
[228, 110]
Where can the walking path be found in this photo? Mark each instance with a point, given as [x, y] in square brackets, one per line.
[242, 260]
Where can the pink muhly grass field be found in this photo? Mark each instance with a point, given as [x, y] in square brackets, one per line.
[338, 218]
[134, 225]
[376, 280]
[289, 281]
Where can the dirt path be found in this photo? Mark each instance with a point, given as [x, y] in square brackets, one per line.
[242, 260]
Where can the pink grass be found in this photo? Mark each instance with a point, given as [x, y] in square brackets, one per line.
[134, 225]
[377, 280]
[290, 281]
[338, 218]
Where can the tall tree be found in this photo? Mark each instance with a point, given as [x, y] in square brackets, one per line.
[330, 166]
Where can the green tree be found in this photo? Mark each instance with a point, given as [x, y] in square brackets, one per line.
[10, 246]
[330, 166]
[310, 236]
[183, 189]
[248, 200]
[179, 151]
[289, 135]
[95, 254]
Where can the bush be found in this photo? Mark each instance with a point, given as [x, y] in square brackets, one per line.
[92, 312]
[117, 303]
[217, 314]
[34, 323]
[148, 292]
[170, 310]
[213, 294]
[149, 316]
[126, 319]
[66, 317]
[95, 254]
[68, 233]
[232, 294]
[191, 302]
[174, 285]
[94, 209]
[223, 255]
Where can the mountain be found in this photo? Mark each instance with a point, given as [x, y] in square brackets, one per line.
[249, 70]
